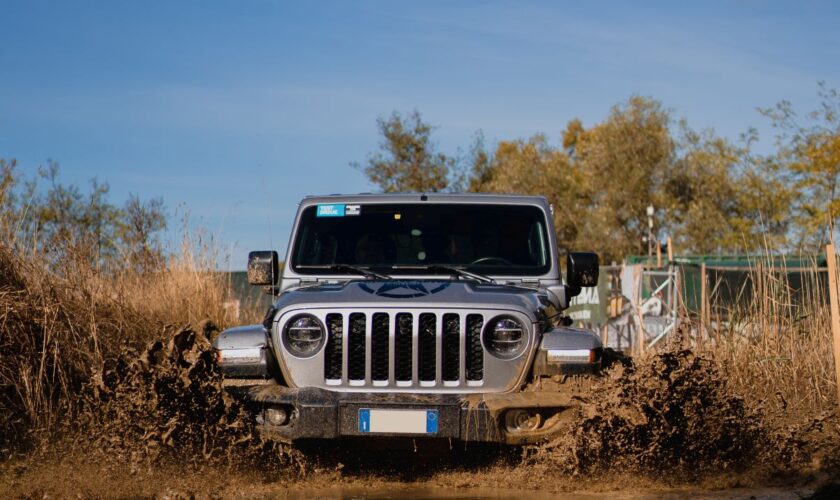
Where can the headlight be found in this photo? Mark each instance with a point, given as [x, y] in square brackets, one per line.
[505, 337]
[303, 335]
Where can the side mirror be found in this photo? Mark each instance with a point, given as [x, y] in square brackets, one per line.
[263, 268]
[582, 269]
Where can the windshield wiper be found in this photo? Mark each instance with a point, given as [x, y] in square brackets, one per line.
[348, 268]
[458, 271]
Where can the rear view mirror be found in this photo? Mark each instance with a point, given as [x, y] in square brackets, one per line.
[263, 268]
[582, 269]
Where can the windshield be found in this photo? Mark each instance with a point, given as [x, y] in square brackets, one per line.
[488, 239]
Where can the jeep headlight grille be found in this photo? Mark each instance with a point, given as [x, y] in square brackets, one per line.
[304, 335]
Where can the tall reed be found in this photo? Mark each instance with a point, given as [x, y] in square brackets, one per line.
[775, 342]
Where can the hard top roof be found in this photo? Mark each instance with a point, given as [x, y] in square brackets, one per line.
[488, 198]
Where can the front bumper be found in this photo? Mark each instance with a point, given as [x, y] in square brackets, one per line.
[315, 413]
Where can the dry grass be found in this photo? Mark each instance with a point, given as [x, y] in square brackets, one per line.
[185, 290]
[776, 347]
[59, 319]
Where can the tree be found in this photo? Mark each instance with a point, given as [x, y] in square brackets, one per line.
[407, 160]
[709, 195]
[63, 217]
[810, 152]
[766, 205]
[64, 222]
[535, 167]
[625, 160]
[139, 226]
[573, 132]
[701, 198]
[480, 166]
[722, 199]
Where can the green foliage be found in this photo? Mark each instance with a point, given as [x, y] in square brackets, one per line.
[480, 168]
[809, 149]
[722, 199]
[534, 167]
[626, 160]
[408, 161]
[43, 215]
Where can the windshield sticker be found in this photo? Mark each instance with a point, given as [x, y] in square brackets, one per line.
[352, 210]
[330, 211]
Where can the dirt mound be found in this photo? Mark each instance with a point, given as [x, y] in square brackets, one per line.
[669, 412]
[167, 402]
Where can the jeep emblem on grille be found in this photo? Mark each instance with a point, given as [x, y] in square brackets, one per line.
[405, 289]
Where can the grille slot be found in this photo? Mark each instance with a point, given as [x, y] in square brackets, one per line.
[451, 347]
[404, 349]
[427, 340]
[473, 351]
[379, 347]
[333, 359]
[403, 359]
[356, 347]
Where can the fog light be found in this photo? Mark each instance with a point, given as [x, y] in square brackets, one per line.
[276, 416]
[522, 420]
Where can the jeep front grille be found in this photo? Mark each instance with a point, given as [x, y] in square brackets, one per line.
[403, 349]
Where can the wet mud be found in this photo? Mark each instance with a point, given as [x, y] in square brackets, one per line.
[156, 422]
[669, 413]
[166, 404]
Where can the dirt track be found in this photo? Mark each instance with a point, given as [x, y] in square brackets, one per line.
[158, 424]
[69, 478]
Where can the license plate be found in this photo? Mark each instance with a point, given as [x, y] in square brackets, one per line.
[398, 421]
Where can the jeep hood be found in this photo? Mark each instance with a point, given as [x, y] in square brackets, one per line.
[413, 293]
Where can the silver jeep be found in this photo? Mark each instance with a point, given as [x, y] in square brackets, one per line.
[417, 315]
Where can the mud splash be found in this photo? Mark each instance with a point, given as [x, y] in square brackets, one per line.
[671, 412]
[668, 412]
[157, 421]
[166, 403]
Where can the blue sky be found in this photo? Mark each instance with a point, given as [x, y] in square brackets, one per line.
[233, 111]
